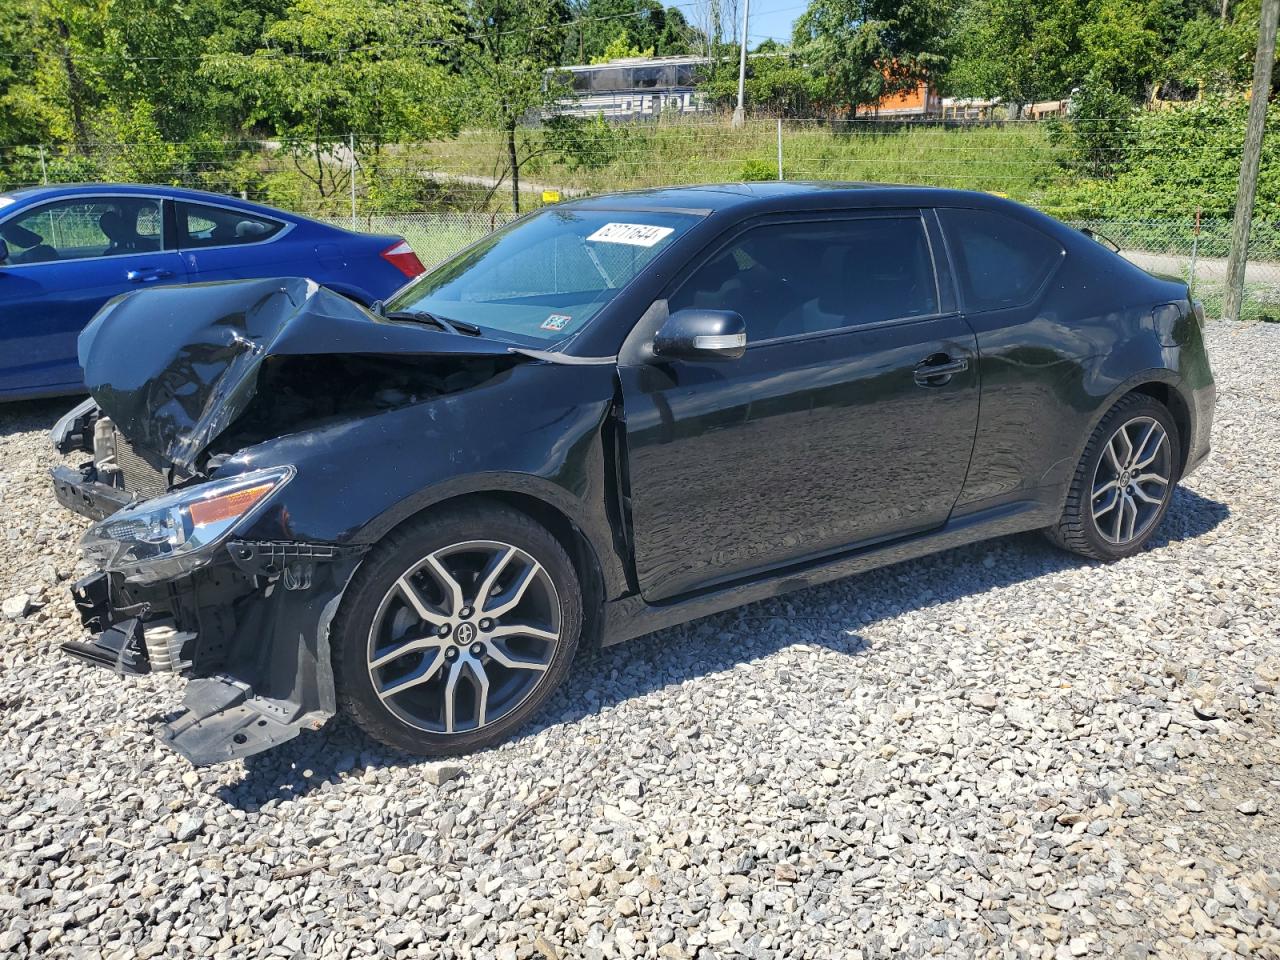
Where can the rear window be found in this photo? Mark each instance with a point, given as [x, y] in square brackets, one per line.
[201, 225]
[1002, 263]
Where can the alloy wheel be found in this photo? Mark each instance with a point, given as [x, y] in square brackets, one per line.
[464, 636]
[1132, 481]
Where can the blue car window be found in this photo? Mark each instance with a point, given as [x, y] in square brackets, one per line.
[83, 227]
[200, 225]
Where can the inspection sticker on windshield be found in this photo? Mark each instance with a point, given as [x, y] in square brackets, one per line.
[557, 321]
[635, 234]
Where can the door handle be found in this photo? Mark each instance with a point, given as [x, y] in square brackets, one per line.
[146, 276]
[938, 372]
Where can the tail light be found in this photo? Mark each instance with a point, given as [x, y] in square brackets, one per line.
[402, 257]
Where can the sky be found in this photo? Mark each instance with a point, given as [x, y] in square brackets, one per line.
[772, 19]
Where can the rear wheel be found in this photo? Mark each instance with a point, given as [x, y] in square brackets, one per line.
[1124, 482]
[456, 630]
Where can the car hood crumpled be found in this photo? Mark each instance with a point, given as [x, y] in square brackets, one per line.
[173, 367]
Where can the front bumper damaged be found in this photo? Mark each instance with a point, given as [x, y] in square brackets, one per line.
[81, 492]
[251, 632]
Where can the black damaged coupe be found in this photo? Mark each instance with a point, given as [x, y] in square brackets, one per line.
[614, 415]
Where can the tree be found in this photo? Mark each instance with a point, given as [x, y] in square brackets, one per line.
[778, 82]
[629, 24]
[1021, 51]
[1214, 53]
[865, 50]
[329, 70]
[620, 48]
[1018, 51]
[508, 47]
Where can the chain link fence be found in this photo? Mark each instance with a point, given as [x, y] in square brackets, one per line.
[1195, 251]
[443, 195]
[435, 237]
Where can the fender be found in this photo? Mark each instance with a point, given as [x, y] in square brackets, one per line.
[594, 526]
[1151, 375]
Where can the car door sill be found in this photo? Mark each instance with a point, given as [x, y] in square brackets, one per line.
[631, 617]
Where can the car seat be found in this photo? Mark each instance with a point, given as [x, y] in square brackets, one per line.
[120, 236]
[881, 270]
[37, 250]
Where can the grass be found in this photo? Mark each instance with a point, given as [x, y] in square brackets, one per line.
[1017, 161]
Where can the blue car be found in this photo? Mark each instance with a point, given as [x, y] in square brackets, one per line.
[67, 250]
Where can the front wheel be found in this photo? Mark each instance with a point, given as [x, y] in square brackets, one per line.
[1124, 482]
[456, 630]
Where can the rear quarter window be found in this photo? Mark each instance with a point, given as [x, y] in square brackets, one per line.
[1001, 262]
[200, 225]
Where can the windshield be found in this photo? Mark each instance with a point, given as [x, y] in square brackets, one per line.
[544, 278]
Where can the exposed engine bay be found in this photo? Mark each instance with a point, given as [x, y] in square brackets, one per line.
[303, 393]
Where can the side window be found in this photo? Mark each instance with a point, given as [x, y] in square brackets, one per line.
[792, 278]
[205, 226]
[82, 228]
[1002, 263]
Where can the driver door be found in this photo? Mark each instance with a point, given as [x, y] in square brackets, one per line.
[829, 433]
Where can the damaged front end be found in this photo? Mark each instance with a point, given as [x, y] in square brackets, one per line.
[250, 629]
[200, 569]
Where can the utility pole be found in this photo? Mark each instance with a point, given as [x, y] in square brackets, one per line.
[351, 146]
[1251, 159]
[739, 113]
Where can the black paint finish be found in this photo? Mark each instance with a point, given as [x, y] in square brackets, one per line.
[681, 486]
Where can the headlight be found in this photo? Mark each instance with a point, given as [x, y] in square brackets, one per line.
[172, 535]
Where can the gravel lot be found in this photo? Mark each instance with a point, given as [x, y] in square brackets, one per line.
[999, 751]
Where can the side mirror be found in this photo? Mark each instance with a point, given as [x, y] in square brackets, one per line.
[701, 335]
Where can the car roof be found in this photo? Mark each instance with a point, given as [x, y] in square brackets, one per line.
[55, 191]
[744, 199]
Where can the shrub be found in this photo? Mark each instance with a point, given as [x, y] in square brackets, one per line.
[758, 170]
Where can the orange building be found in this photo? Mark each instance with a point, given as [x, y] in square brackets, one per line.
[918, 102]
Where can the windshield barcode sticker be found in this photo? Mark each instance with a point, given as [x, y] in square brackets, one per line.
[635, 234]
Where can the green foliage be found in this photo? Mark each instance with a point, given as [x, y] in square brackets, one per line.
[585, 143]
[758, 170]
[333, 68]
[620, 48]
[601, 28]
[780, 84]
[865, 50]
[74, 59]
[1022, 50]
[1215, 57]
[1009, 49]
[1188, 158]
[217, 93]
[1100, 131]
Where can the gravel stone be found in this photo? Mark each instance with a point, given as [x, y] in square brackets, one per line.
[999, 751]
[16, 606]
[438, 773]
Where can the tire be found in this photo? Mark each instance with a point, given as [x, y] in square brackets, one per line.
[452, 679]
[1112, 535]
